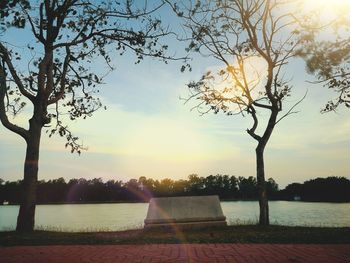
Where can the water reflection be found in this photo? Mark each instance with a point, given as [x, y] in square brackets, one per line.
[112, 217]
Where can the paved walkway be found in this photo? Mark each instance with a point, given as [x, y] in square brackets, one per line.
[176, 253]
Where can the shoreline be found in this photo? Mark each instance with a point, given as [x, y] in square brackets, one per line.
[145, 202]
[273, 234]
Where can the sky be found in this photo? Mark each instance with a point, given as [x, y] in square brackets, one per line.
[147, 130]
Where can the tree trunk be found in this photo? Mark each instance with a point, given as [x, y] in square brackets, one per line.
[260, 173]
[25, 219]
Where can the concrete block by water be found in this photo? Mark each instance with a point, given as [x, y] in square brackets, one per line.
[185, 211]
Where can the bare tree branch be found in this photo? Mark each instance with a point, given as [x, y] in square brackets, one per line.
[290, 111]
[3, 116]
[4, 54]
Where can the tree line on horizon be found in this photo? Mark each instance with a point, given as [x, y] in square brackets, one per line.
[330, 189]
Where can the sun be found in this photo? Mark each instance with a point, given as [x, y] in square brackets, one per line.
[328, 2]
[327, 5]
[328, 11]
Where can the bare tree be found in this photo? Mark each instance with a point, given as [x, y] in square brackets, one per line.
[254, 40]
[53, 72]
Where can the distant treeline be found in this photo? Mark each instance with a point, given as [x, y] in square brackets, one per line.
[331, 189]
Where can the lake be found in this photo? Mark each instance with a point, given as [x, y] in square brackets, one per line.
[113, 217]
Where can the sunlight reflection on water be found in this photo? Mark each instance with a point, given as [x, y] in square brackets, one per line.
[112, 217]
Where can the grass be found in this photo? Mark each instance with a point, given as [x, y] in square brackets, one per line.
[229, 234]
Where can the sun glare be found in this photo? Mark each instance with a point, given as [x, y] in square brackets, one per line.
[328, 5]
[335, 12]
[254, 72]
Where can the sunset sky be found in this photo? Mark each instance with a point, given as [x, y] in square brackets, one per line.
[148, 131]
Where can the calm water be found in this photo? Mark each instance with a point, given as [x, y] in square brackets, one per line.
[92, 217]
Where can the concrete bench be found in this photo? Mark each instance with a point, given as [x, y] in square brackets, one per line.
[186, 211]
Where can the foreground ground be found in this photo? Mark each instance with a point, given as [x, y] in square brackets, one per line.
[229, 234]
[176, 253]
[227, 244]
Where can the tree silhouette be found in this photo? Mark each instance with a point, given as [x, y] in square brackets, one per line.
[330, 62]
[53, 72]
[329, 58]
[253, 40]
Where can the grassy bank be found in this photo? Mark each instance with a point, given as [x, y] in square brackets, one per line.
[229, 234]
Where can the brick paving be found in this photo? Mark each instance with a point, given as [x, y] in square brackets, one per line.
[177, 253]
